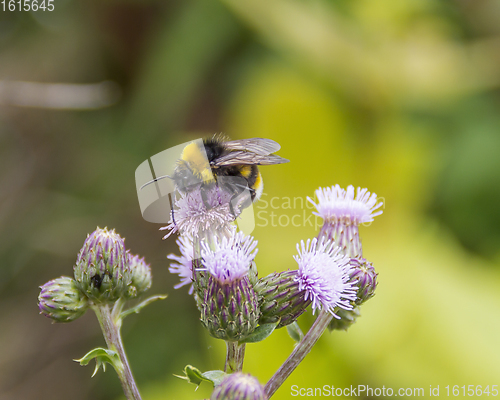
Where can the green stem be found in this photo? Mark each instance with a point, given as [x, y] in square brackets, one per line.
[298, 354]
[111, 330]
[234, 356]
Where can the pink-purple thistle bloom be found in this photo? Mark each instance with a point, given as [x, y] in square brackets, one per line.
[184, 265]
[228, 303]
[200, 211]
[343, 211]
[324, 276]
[230, 258]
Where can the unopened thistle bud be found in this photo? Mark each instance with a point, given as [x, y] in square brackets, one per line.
[102, 272]
[61, 300]
[141, 275]
[229, 309]
[364, 277]
[346, 319]
[239, 386]
[280, 298]
[184, 265]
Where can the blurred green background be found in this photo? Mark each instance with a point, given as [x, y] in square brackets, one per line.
[401, 97]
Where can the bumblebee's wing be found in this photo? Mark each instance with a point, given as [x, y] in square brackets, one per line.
[247, 157]
[259, 146]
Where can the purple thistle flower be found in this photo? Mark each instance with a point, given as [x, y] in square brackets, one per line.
[337, 205]
[196, 213]
[228, 303]
[184, 265]
[324, 275]
[239, 386]
[343, 212]
[229, 259]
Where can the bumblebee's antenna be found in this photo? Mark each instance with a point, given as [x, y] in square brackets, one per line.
[155, 180]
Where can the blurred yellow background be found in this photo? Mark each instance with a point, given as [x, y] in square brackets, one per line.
[401, 97]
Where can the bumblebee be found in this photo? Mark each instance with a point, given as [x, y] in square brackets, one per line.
[229, 164]
[219, 158]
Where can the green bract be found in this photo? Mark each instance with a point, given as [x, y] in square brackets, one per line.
[230, 311]
[280, 298]
[347, 318]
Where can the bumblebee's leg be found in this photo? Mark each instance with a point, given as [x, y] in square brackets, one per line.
[230, 188]
[231, 208]
[171, 208]
[204, 198]
[243, 199]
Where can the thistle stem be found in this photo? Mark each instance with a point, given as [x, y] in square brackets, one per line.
[235, 355]
[111, 330]
[298, 354]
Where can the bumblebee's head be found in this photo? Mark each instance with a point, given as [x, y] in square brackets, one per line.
[193, 167]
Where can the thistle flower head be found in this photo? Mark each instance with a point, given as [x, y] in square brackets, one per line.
[343, 212]
[102, 271]
[239, 386]
[228, 303]
[337, 205]
[280, 299]
[324, 275]
[347, 318]
[201, 210]
[364, 277]
[141, 275]
[184, 265]
[61, 301]
[229, 258]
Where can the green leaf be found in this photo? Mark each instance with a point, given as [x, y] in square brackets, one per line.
[142, 304]
[194, 375]
[294, 331]
[260, 333]
[215, 377]
[102, 356]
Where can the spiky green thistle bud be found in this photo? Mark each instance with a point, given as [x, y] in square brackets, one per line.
[61, 300]
[141, 275]
[347, 318]
[365, 278]
[238, 386]
[230, 311]
[280, 298]
[102, 272]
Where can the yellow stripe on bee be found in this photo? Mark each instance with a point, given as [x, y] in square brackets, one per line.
[246, 171]
[197, 161]
[259, 187]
